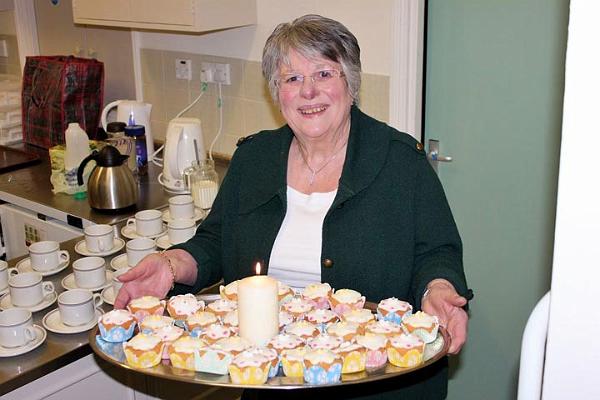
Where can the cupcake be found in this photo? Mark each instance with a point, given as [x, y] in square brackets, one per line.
[297, 307]
[213, 360]
[273, 357]
[229, 292]
[233, 345]
[405, 351]
[327, 342]
[361, 316]
[292, 362]
[321, 367]
[116, 326]
[285, 318]
[184, 305]
[231, 321]
[354, 357]
[393, 309]
[321, 318]
[284, 292]
[153, 322]
[383, 327]
[303, 329]
[343, 300]
[423, 325]
[214, 332]
[146, 305]
[143, 350]
[182, 352]
[345, 330]
[198, 321]
[249, 368]
[285, 341]
[221, 307]
[376, 349]
[168, 334]
[318, 294]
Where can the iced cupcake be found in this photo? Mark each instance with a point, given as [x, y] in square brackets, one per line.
[303, 329]
[405, 351]
[221, 307]
[343, 300]
[196, 322]
[285, 341]
[318, 294]
[321, 367]
[184, 305]
[233, 345]
[376, 349]
[229, 292]
[383, 327]
[168, 334]
[297, 307]
[423, 325]
[214, 332]
[249, 368]
[183, 351]
[285, 318]
[213, 360]
[354, 357]
[345, 330]
[153, 322]
[361, 316]
[321, 318]
[273, 357]
[326, 342]
[116, 326]
[284, 292]
[146, 305]
[393, 310]
[143, 351]
[231, 321]
[292, 362]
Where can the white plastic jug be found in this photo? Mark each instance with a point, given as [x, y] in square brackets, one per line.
[77, 146]
[132, 113]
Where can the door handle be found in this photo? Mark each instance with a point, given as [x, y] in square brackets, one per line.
[433, 155]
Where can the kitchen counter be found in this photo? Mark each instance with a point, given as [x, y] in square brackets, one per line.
[30, 188]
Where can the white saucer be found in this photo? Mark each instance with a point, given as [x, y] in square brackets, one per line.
[81, 248]
[129, 232]
[25, 266]
[108, 295]
[40, 336]
[68, 282]
[199, 214]
[163, 242]
[5, 303]
[119, 262]
[52, 322]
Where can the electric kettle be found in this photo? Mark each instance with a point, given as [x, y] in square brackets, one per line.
[132, 113]
[183, 146]
[111, 185]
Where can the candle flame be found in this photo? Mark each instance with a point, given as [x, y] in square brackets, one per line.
[257, 268]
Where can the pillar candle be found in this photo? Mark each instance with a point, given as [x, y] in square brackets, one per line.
[258, 308]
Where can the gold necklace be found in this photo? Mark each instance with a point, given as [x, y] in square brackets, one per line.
[314, 172]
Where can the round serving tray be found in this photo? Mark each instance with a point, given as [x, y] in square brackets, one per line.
[113, 353]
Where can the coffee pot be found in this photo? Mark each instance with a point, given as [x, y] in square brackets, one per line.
[111, 185]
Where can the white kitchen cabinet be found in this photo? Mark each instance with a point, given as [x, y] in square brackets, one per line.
[172, 15]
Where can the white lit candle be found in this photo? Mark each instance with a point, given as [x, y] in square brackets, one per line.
[258, 308]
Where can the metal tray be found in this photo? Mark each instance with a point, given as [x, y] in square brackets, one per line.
[11, 159]
[433, 352]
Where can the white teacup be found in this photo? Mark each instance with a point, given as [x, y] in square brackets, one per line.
[27, 289]
[5, 273]
[16, 328]
[78, 306]
[46, 255]
[89, 272]
[138, 249]
[147, 222]
[99, 238]
[180, 230]
[181, 207]
[116, 283]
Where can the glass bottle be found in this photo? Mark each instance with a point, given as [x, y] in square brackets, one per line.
[138, 133]
[203, 182]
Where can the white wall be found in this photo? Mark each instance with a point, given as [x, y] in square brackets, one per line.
[573, 351]
[247, 42]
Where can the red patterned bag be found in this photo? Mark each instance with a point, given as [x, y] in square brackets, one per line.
[58, 90]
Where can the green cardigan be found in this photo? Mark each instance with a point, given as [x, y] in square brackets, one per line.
[388, 232]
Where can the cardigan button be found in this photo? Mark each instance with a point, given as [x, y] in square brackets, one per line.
[419, 147]
[328, 263]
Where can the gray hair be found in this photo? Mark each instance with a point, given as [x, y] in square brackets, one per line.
[312, 36]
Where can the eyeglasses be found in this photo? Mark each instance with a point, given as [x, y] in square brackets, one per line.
[322, 77]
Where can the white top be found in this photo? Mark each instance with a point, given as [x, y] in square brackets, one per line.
[296, 254]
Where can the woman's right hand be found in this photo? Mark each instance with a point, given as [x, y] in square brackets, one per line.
[150, 277]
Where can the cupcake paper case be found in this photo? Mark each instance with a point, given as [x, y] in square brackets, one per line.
[143, 351]
[249, 368]
[116, 326]
[322, 367]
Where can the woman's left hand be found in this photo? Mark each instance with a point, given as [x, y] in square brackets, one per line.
[443, 300]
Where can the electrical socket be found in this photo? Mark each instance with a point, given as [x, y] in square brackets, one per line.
[183, 69]
[215, 73]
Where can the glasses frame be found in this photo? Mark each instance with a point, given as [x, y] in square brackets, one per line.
[281, 82]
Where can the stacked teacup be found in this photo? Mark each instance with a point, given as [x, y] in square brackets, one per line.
[182, 225]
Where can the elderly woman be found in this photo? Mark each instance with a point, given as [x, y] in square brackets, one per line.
[333, 196]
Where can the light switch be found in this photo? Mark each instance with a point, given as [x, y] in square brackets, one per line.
[183, 69]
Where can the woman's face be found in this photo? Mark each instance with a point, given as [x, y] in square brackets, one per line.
[314, 110]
